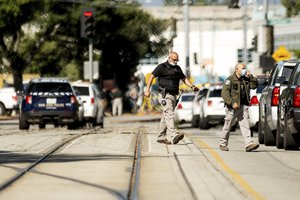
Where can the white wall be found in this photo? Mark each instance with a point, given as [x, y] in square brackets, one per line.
[220, 46]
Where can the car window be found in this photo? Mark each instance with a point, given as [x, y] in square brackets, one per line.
[260, 88]
[215, 93]
[202, 93]
[50, 87]
[188, 97]
[296, 77]
[96, 91]
[274, 75]
[81, 91]
[286, 72]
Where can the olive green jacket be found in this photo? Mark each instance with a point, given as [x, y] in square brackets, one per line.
[231, 91]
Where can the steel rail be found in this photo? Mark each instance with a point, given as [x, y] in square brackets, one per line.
[45, 155]
[134, 178]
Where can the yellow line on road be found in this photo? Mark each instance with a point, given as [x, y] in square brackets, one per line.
[236, 176]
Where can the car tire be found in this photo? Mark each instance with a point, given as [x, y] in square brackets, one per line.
[73, 126]
[23, 125]
[195, 121]
[279, 138]
[42, 126]
[269, 135]
[260, 131]
[2, 109]
[203, 123]
[289, 142]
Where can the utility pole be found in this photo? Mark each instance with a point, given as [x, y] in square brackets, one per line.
[245, 51]
[187, 40]
[91, 58]
[266, 9]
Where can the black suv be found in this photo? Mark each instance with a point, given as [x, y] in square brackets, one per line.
[288, 134]
[50, 101]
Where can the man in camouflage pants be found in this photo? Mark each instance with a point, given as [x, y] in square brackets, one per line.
[169, 74]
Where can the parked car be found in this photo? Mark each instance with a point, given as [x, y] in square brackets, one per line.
[183, 110]
[268, 102]
[254, 101]
[8, 100]
[212, 110]
[288, 123]
[90, 95]
[50, 101]
[200, 95]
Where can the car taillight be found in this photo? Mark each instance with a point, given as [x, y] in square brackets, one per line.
[254, 101]
[297, 97]
[275, 96]
[15, 98]
[179, 106]
[73, 99]
[209, 103]
[92, 100]
[28, 99]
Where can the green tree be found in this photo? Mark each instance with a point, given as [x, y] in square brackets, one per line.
[292, 7]
[132, 33]
[15, 14]
[47, 40]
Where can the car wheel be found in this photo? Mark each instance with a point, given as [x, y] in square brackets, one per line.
[269, 136]
[2, 109]
[23, 125]
[279, 138]
[42, 126]
[289, 142]
[195, 121]
[203, 123]
[260, 131]
[73, 126]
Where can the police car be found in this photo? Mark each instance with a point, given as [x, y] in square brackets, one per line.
[50, 101]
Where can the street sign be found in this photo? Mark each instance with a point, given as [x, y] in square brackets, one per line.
[280, 21]
[87, 70]
[281, 54]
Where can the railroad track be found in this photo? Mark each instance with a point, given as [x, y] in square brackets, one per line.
[54, 148]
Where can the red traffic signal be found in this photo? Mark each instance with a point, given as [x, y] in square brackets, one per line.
[87, 25]
[88, 14]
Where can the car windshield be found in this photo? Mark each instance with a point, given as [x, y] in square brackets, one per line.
[215, 93]
[82, 91]
[50, 87]
[188, 97]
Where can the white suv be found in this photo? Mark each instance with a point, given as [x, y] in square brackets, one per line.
[212, 109]
[90, 96]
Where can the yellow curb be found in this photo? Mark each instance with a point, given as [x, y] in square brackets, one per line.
[236, 176]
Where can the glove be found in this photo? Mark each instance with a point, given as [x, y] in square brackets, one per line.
[195, 89]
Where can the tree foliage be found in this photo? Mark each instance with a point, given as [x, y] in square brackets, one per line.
[43, 36]
[292, 7]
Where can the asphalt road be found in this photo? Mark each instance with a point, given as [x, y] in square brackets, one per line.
[99, 165]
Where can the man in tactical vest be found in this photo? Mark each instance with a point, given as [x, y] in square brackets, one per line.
[169, 75]
[236, 94]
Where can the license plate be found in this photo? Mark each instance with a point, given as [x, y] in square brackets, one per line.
[50, 100]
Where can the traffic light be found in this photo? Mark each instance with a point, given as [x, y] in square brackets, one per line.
[254, 43]
[234, 4]
[87, 23]
[195, 58]
[240, 55]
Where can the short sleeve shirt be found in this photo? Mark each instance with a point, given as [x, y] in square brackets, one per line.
[168, 75]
